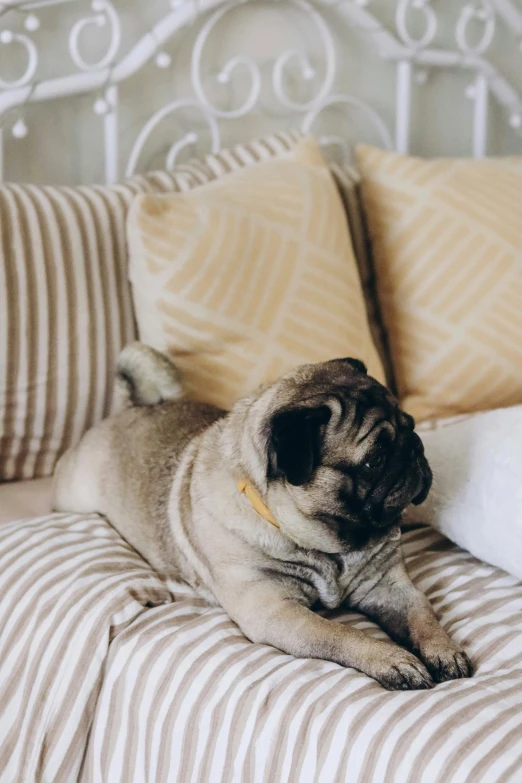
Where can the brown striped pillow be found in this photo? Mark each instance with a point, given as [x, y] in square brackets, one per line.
[65, 312]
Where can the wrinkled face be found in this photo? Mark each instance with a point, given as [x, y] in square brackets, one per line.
[348, 453]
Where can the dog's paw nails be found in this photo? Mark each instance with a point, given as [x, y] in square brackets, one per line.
[450, 663]
[405, 673]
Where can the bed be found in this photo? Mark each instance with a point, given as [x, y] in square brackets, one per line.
[109, 672]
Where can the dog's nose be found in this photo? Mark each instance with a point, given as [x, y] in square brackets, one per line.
[389, 517]
[380, 517]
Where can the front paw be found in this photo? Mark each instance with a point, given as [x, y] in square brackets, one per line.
[447, 662]
[402, 671]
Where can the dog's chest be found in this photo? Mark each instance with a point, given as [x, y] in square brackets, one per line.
[331, 579]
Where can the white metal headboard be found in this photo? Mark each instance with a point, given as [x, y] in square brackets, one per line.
[306, 78]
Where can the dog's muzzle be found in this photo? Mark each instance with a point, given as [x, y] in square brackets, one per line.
[407, 480]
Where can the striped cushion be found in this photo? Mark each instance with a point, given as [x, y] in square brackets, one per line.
[246, 277]
[68, 586]
[65, 313]
[447, 236]
[187, 697]
[65, 306]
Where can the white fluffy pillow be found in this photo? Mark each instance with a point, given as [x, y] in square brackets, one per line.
[476, 499]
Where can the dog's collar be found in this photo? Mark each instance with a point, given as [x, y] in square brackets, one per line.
[256, 502]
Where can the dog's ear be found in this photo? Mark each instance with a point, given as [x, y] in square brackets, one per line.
[427, 481]
[295, 443]
[356, 364]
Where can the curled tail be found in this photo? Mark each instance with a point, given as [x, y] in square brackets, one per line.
[146, 376]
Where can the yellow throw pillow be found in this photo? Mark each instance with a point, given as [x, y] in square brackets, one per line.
[244, 278]
[447, 242]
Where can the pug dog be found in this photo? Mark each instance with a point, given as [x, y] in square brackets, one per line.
[288, 503]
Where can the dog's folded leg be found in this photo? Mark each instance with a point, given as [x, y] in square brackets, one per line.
[407, 616]
[267, 615]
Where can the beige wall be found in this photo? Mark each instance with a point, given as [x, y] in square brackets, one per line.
[64, 142]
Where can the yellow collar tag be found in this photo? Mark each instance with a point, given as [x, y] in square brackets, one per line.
[256, 502]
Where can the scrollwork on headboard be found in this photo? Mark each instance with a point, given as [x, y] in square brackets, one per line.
[305, 78]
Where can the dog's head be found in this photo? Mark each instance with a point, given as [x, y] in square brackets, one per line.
[339, 457]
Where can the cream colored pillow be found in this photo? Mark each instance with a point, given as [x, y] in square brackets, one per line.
[246, 277]
[447, 242]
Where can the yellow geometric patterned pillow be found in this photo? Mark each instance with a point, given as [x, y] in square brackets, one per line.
[447, 241]
[246, 277]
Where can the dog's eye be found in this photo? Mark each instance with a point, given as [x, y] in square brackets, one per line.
[375, 461]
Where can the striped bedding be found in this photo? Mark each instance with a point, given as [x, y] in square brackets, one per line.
[115, 676]
[68, 586]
